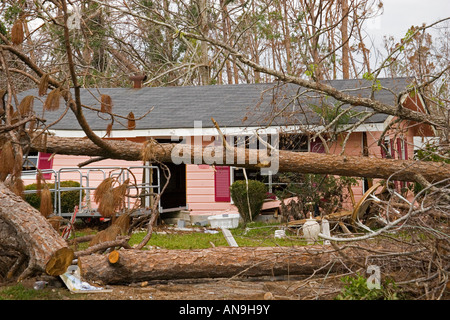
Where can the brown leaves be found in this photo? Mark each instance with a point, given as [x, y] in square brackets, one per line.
[26, 105]
[110, 199]
[109, 234]
[2, 102]
[118, 227]
[123, 222]
[53, 100]
[16, 185]
[119, 195]
[7, 160]
[46, 207]
[106, 205]
[106, 103]
[18, 163]
[131, 121]
[11, 164]
[101, 189]
[39, 181]
[17, 32]
[148, 147]
[43, 85]
[109, 129]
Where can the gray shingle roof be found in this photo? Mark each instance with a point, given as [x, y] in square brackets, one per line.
[230, 105]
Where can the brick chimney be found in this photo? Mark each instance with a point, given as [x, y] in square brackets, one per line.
[138, 80]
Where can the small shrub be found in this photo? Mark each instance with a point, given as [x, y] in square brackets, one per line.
[327, 192]
[432, 153]
[257, 193]
[69, 199]
[355, 288]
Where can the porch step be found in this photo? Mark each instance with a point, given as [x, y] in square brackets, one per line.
[173, 217]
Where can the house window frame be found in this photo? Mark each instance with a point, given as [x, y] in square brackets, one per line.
[29, 158]
[31, 173]
[297, 136]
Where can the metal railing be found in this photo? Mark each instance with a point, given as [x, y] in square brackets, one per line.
[85, 188]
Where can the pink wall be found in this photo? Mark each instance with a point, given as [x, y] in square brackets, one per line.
[200, 190]
[354, 147]
[95, 177]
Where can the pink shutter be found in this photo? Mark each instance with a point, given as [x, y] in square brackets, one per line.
[222, 184]
[316, 146]
[402, 154]
[45, 163]
[405, 145]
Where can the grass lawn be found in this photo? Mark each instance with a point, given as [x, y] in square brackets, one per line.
[255, 234]
[19, 291]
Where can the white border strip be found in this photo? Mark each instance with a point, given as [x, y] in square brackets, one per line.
[185, 132]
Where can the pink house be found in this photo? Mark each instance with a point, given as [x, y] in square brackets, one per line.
[184, 114]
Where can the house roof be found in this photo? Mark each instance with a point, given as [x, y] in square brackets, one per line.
[240, 105]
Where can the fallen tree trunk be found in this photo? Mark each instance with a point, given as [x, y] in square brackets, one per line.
[28, 243]
[288, 161]
[129, 266]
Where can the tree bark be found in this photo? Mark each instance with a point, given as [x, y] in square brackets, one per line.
[303, 162]
[345, 40]
[29, 238]
[220, 262]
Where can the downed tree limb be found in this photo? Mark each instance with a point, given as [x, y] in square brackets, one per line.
[302, 162]
[26, 233]
[131, 266]
[119, 242]
[78, 240]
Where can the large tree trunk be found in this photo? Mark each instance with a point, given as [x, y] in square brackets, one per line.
[303, 162]
[220, 262]
[28, 243]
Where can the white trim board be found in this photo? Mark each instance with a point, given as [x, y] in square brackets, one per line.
[186, 132]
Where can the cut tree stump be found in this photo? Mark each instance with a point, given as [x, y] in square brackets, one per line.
[114, 257]
[28, 242]
[219, 262]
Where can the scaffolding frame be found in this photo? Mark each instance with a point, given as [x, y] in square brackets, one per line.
[85, 210]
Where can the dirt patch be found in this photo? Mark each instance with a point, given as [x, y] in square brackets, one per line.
[204, 289]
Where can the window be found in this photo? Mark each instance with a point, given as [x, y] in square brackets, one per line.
[169, 140]
[399, 150]
[37, 160]
[30, 162]
[402, 149]
[247, 142]
[386, 150]
[395, 149]
[294, 142]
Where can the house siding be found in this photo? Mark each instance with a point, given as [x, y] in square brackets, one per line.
[200, 194]
[200, 191]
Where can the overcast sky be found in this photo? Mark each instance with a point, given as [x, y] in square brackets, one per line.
[399, 15]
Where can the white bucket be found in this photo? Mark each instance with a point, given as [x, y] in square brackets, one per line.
[279, 234]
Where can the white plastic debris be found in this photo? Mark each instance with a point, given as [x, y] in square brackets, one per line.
[74, 20]
[326, 230]
[280, 234]
[73, 281]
